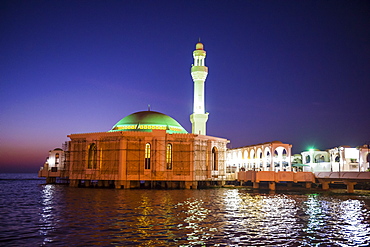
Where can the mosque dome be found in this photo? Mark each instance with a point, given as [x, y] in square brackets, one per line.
[146, 121]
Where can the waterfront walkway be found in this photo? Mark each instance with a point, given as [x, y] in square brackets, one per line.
[348, 178]
[324, 178]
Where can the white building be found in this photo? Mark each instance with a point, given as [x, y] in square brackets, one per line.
[314, 160]
[55, 161]
[269, 156]
[337, 159]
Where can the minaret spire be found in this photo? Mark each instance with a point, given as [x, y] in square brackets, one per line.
[199, 74]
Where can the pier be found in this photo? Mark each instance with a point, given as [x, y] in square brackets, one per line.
[273, 177]
[348, 178]
[324, 178]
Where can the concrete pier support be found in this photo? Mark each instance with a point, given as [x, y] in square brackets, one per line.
[191, 185]
[117, 184]
[122, 184]
[272, 185]
[87, 183]
[325, 185]
[73, 183]
[51, 180]
[106, 183]
[256, 185]
[308, 185]
[350, 187]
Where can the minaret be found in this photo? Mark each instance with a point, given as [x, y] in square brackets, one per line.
[199, 74]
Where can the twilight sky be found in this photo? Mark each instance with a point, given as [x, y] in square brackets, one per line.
[294, 71]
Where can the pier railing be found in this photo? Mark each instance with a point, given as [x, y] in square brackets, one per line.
[272, 176]
[340, 176]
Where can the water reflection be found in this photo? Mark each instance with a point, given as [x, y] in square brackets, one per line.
[195, 214]
[354, 226]
[215, 217]
[334, 221]
[256, 219]
[47, 221]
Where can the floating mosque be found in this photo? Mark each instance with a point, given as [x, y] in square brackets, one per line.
[149, 149]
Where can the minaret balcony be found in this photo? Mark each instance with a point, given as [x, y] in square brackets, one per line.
[199, 75]
[199, 69]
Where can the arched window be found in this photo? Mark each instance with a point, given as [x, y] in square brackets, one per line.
[268, 159]
[147, 156]
[93, 156]
[284, 153]
[308, 159]
[56, 158]
[214, 159]
[252, 155]
[319, 158]
[169, 157]
[336, 158]
[246, 154]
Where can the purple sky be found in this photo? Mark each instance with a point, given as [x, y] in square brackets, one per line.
[294, 71]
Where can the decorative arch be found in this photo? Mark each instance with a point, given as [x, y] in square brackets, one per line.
[245, 154]
[284, 153]
[259, 153]
[267, 153]
[252, 154]
[308, 159]
[319, 158]
[336, 159]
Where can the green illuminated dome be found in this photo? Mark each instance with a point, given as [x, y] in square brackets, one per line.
[147, 121]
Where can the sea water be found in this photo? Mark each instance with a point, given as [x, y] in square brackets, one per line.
[35, 214]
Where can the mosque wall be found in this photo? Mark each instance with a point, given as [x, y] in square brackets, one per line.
[144, 156]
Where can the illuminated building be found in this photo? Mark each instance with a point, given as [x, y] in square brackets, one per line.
[337, 159]
[269, 156]
[148, 149]
[151, 149]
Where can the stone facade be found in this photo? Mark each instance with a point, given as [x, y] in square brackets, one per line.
[144, 159]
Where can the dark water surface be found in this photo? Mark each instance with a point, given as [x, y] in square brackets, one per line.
[34, 214]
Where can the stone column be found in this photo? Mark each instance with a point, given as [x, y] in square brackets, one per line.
[325, 185]
[272, 185]
[350, 187]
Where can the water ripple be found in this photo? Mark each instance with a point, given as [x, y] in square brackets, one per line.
[33, 214]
